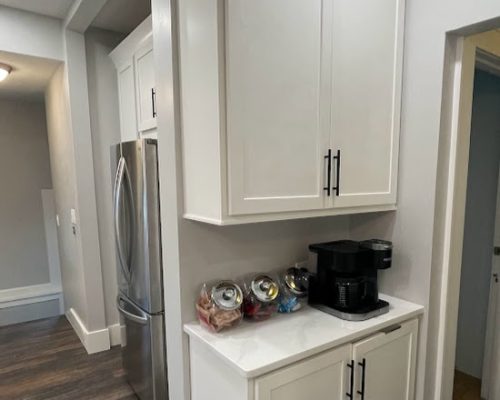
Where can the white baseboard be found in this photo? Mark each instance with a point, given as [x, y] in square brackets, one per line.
[21, 296]
[115, 334]
[93, 341]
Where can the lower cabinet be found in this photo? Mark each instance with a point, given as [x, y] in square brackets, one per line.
[385, 364]
[320, 377]
[379, 367]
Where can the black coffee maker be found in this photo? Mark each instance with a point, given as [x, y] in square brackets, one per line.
[346, 281]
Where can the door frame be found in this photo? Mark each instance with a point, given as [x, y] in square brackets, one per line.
[492, 338]
[453, 162]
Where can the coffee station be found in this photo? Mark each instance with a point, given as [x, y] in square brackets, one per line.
[337, 341]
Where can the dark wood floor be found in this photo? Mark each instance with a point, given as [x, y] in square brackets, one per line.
[44, 360]
[466, 387]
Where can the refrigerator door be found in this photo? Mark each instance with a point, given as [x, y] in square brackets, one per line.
[143, 351]
[137, 227]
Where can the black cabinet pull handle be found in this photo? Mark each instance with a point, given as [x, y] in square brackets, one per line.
[328, 157]
[350, 394]
[153, 101]
[337, 187]
[363, 370]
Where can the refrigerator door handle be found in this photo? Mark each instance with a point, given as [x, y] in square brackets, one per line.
[142, 318]
[120, 174]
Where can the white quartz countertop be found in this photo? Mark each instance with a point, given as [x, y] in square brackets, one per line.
[256, 348]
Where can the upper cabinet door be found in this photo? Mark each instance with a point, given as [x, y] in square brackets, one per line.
[146, 95]
[386, 362]
[126, 95]
[277, 104]
[366, 99]
[323, 377]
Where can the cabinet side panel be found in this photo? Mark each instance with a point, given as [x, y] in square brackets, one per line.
[200, 107]
[212, 379]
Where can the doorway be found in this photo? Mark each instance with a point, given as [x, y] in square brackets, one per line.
[476, 331]
[455, 150]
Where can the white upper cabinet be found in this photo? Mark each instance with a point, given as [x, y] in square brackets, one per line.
[324, 377]
[276, 116]
[133, 59]
[273, 91]
[126, 97]
[145, 85]
[366, 99]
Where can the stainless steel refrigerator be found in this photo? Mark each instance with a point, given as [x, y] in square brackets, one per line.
[140, 280]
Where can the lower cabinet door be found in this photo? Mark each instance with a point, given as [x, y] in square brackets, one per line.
[385, 364]
[324, 377]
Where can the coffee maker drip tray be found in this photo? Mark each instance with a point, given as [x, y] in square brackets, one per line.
[379, 308]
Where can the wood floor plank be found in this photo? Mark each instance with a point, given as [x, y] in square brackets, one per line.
[44, 360]
[466, 387]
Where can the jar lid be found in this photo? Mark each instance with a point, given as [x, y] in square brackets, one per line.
[227, 295]
[265, 288]
[296, 280]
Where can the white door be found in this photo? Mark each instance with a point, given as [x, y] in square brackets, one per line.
[145, 82]
[366, 90]
[490, 382]
[324, 377]
[126, 94]
[386, 364]
[277, 87]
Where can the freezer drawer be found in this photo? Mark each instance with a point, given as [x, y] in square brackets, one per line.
[143, 351]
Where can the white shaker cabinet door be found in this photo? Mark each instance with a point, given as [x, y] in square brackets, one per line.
[366, 97]
[385, 364]
[277, 88]
[145, 81]
[324, 377]
[126, 93]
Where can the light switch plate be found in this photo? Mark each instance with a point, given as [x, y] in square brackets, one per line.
[73, 216]
[58, 223]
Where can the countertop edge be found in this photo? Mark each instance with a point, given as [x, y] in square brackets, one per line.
[355, 336]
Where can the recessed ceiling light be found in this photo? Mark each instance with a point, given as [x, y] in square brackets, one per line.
[4, 71]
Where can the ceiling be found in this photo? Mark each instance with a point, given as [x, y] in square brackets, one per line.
[122, 15]
[29, 76]
[51, 8]
[117, 15]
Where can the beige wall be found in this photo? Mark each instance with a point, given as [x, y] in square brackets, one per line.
[24, 171]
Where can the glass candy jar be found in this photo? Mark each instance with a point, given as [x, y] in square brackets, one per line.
[294, 284]
[220, 305]
[260, 297]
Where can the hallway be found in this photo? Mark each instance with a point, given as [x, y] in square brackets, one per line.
[44, 360]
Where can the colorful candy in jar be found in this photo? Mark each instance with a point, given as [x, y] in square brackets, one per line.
[294, 283]
[261, 295]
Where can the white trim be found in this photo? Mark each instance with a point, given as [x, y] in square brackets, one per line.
[94, 341]
[456, 154]
[247, 219]
[115, 334]
[29, 295]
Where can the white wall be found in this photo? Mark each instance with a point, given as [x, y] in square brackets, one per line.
[411, 227]
[105, 126]
[195, 252]
[24, 172]
[31, 34]
[63, 178]
[479, 223]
